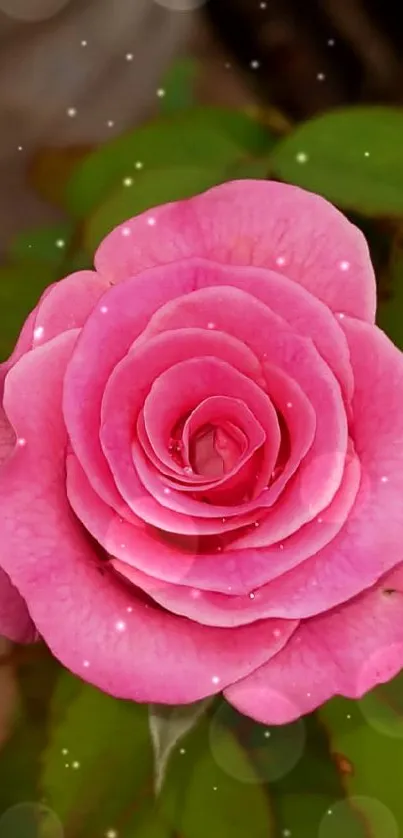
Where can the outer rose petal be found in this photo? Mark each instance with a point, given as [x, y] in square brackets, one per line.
[249, 222]
[370, 542]
[15, 622]
[347, 652]
[67, 304]
[93, 624]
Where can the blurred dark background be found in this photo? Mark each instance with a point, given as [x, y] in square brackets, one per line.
[74, 73]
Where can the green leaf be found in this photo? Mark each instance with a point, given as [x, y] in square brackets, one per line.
[371, 765]
[20, 756]
[200, 138]
[152, 187]
[168, 725]
[353, 157]
[20, 288]
[98, 762]
[200, 798]
[46, 245]
[178, 85]
[390, 308]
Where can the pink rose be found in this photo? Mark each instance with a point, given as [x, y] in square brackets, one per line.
[204, 487]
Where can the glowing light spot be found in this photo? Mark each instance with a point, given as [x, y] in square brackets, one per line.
[167, 491]
[21, 441]
[20, 148]
[126, 231]
[267, 734]
[366, 153]
[104, 309]
[289, 404]
[129, 56]
[320, 520]
[252, 595]
[71, 112]
[344, 265]
[60, 243]
[151, 221]
[75, 764]
[341, 316]
[302, 157]
[276, 633]
[128, 181]
[120, 625]
[38, 332]
[215, 679]
[139, 164]
[161, 92]
[182, 750]
[84, 43]
[110, 123]
[321, 77]
[330, 42]
[86, 664]
[280, 261]
[65, 751]
[129, 609]
[211, 325]
[255, 65]
[384, 479]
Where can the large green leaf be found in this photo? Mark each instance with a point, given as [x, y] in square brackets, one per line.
[97, 767]
[21, 285]
[151, 187]
[372, 766]
[353, 157]
[199, 138]
[200, 798]
[178, 86]
[46, 245]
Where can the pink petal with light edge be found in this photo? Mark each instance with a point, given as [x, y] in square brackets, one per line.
[347, 652]
[300, 310]
[67, 304]
[233, 571]
[370, 542]
[208, 376]
[253, 222]
[271, 338]
[143, 654]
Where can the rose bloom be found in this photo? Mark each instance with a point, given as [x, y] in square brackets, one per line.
[201, 485]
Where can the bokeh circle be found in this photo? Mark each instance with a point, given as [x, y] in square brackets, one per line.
[338, 819]
[32, 11]
[273, 750]
[30, 820]
[181, 5]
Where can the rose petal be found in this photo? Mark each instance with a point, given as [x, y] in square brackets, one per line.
[365, 548]
[93, 624]
[67, 304]
[347, 652]
[252, 222]
[191, 564]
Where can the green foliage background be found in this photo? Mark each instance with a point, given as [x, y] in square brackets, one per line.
[85, 756]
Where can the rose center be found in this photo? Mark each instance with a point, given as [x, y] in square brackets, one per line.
[215, 449]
